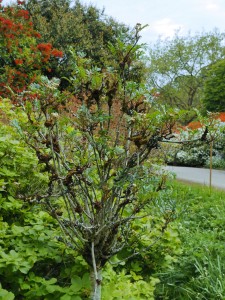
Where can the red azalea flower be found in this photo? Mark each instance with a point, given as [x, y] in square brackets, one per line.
[24, 14]
[44, 47]
[57, 53]
[6, 23]
[37, 35]
[18, 61]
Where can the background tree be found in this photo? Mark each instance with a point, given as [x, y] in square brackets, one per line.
[84, 28]
[176, 67]
[214, 87]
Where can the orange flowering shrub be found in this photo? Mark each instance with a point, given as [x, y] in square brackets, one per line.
[222, 116]
[194, 125]
[22, 58]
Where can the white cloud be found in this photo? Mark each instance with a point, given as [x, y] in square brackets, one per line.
[166, 27]
[216, 9]
[212, 5]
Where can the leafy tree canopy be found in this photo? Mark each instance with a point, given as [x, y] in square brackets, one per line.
[84, 28]
[176, 66]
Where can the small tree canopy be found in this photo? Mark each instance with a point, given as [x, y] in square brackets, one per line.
[176, 65]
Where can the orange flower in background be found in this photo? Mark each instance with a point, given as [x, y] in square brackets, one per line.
[19, 27]
[6, 23]
[47, 51]
[10, 36]
[57, 53]
[18, 61]
[37, 35]
[44, 47]
[194, 125]
[24, 14]
[222, 116]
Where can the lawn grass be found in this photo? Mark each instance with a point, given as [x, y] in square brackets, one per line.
[200, 271]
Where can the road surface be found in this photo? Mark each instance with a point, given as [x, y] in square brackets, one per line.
[199, 175]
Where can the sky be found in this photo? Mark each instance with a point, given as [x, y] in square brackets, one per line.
[165, 17]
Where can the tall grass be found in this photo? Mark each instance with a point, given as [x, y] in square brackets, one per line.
[200, 270]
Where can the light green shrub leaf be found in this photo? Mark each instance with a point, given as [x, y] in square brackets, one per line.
[65, 297]
[51, 288]
[75, 298]
[5, 295]
[76, 283]
[52, 281]
[24, 286]
[86, 280]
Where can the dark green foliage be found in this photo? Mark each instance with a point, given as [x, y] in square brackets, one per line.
[214, 87]
[86, 29]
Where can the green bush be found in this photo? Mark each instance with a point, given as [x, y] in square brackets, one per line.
[33, 263]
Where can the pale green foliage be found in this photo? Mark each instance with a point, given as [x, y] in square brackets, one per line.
[33, 264]
[4, 294]
[129, 286]
[18, 163]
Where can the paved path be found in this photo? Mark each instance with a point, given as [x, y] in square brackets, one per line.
[199, 175]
